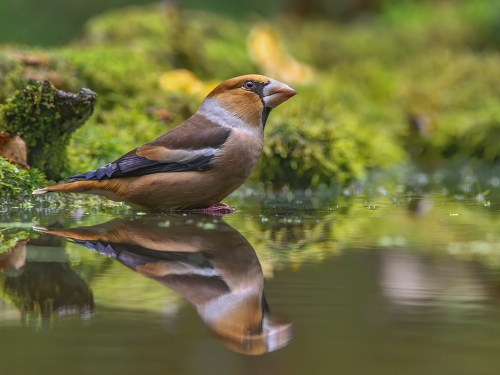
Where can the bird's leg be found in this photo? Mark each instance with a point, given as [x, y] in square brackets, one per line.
[217, 209]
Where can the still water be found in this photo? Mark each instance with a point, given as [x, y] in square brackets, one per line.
[379, 284]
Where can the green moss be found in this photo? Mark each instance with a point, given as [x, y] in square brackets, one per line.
[173, 38]
[18, 183]
[45, 118]
[115, 73]
[321, 138]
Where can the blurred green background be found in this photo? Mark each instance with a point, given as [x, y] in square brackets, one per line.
[59, 21]
[384, 85]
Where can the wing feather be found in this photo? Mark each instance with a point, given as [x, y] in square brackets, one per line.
[189, 147]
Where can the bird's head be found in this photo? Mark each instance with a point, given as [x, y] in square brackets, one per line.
[250, 97]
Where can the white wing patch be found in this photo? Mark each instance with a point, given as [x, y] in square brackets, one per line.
[166, 155]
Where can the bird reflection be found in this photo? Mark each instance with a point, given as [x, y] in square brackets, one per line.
[203, 259]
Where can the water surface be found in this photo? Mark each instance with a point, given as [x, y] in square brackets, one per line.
[379, 284]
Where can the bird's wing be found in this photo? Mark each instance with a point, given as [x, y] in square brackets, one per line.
[188, 147]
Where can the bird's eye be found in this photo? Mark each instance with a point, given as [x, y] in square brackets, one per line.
[249, 85]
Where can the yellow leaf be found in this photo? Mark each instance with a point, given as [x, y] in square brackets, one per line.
[186, 81]
[271, 57]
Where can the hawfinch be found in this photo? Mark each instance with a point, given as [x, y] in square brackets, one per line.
[209, 263]
[198, 163]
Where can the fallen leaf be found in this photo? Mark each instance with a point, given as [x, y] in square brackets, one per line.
[14, 149]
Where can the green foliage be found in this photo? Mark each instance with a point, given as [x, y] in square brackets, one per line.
[17, 183]
[116, 73]
[11, 77]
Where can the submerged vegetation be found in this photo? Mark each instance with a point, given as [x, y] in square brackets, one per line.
[414, 82]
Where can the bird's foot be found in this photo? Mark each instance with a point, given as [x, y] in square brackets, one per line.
[217, 209]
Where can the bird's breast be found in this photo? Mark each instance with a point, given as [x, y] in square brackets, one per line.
[238, 157]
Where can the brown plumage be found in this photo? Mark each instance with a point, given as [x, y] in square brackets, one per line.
[198, 163]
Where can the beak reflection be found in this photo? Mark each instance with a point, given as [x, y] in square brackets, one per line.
[206, 261]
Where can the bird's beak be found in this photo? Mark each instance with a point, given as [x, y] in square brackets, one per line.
[276, 92]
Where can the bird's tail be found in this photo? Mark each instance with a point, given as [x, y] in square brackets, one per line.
[70, 187]
[109, 188]
[68, 233]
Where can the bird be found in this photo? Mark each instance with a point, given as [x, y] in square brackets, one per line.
[206, 261]
[199, 162]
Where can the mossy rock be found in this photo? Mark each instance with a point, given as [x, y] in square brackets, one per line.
[45, 118]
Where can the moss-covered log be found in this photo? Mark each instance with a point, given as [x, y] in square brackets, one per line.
[45, 118]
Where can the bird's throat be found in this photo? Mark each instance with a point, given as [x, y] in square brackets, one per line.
[265, 115]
